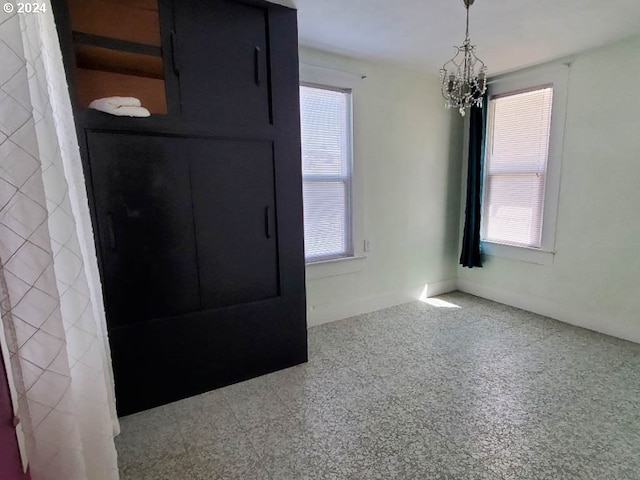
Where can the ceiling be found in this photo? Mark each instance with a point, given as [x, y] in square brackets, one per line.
[509, 34]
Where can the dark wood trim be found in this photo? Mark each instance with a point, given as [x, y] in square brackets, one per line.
[63, 26]
[167, 124]
[171, 77]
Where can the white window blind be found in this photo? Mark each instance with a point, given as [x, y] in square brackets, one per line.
[326, 170]
[516, 167]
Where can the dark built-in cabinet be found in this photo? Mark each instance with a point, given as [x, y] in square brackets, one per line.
[197, 209]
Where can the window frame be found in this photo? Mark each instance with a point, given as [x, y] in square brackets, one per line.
[557, 77]
[329, 78]
[346, 179]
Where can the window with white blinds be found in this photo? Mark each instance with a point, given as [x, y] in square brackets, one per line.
[325, 115]
[516, 161]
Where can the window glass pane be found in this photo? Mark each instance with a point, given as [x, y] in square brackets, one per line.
[325, 219]
[514, 212]
[520, 131]
[516, 165]
[325, 136]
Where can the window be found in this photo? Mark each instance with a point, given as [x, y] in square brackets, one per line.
[522, 164]
[326, 172]
[516, 166]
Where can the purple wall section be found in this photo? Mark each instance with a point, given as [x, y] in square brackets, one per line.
[10, 466]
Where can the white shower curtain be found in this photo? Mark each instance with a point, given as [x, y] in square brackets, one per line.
[50, 295]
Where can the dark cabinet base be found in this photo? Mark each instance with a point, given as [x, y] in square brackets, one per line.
[160, 362]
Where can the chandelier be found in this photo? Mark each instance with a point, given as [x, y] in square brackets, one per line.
[464, 78]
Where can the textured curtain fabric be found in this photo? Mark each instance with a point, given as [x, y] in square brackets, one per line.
[50, 296]
[470, 256]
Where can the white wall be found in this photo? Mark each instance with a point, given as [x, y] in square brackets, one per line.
[594, 281]
[409, 150]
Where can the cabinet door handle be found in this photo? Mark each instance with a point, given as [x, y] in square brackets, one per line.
[112, 231]
[174, 52]
[256, 65]
[268, 229]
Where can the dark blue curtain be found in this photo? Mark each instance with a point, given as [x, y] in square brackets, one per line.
[470, 256]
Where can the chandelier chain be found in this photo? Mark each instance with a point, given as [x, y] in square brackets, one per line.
[466, 36]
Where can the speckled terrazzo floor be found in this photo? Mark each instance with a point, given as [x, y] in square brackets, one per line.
[463, 389]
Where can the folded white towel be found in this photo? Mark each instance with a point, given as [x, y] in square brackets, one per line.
[121, 106]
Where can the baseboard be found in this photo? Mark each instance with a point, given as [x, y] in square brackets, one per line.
[572, 314]
[319, 314]
[438, 288]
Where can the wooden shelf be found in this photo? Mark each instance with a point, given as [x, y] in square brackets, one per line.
[94, 84]
[107, 60]
[80, 38]
[136, 21]
[140, 4]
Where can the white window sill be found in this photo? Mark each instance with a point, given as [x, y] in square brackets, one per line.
[332, 268]
[523, 254]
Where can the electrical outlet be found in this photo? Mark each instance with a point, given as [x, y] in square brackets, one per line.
[367, 246]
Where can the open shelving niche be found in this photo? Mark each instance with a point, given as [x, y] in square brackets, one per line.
[118, 51]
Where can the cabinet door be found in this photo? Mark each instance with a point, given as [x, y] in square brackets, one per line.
[145, 225]
[232, 187]
[221, 50]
